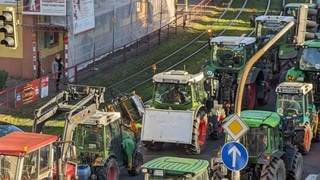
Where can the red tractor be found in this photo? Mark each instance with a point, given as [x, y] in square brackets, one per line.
[25, 155]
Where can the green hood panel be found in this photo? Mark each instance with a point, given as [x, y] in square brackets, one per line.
[176, 165]
[257, 118]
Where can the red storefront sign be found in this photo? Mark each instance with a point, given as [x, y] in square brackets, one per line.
[27, 93]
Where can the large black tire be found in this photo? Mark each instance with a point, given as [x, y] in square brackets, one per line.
[136, 164]
[110, 171]
[199, 134]
[275, 170]
[296, 172]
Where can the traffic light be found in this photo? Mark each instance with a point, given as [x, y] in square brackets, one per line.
[7, 26]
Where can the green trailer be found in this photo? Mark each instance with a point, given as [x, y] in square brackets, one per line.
[176, 168]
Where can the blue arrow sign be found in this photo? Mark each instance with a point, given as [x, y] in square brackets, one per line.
[234, 156]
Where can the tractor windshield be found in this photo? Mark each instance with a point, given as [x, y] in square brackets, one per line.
[268, 29]
[228, 56]
[289, 104]
[256, 141]
[89, 137]
[173, 93]
[310, 59]
[8, 167]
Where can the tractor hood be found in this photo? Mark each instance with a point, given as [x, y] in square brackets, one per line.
[257, 118]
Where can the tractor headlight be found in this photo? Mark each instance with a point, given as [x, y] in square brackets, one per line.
[158, 172]
[144, 170]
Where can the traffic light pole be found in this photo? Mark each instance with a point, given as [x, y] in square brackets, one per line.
[247, 68]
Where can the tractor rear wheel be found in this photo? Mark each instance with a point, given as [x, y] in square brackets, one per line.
[251, 95]
[136, 164]
[296, 171]
[199, 133]
[304, 147]
[274, 170]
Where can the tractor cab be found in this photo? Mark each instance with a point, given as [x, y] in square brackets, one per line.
[257, 140]
[178, 90]
[309, 56]
[294, 98]
[100, 137]
[295, 105]
[25, 155]
[230, 53]
[176, 168]
[308, 59]
[269, 26]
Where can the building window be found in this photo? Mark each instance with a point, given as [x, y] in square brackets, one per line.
[51, 39]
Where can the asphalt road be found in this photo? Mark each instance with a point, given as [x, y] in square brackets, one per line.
[311, 160]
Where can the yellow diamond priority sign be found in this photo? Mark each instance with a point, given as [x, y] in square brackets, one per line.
[235, 127]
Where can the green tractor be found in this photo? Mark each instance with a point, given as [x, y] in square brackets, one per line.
[103, 144]
[176, 168]
[179, 114]
[295, 103]
[283, 51]
[98, 142]
[271, 153]
[228, 57]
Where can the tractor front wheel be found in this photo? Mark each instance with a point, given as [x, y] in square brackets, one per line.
[110, 171]
[274, 170]
[199, 133]
[296, 170]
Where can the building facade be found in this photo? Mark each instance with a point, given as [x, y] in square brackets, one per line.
[78, 29]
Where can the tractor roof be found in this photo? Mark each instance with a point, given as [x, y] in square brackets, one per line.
[20, 143]
[275, 19]
[232, 40]
[177, 165]
[297, 5]
[101, 118]
[257, 118]
[178, 77]
[294, 88]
